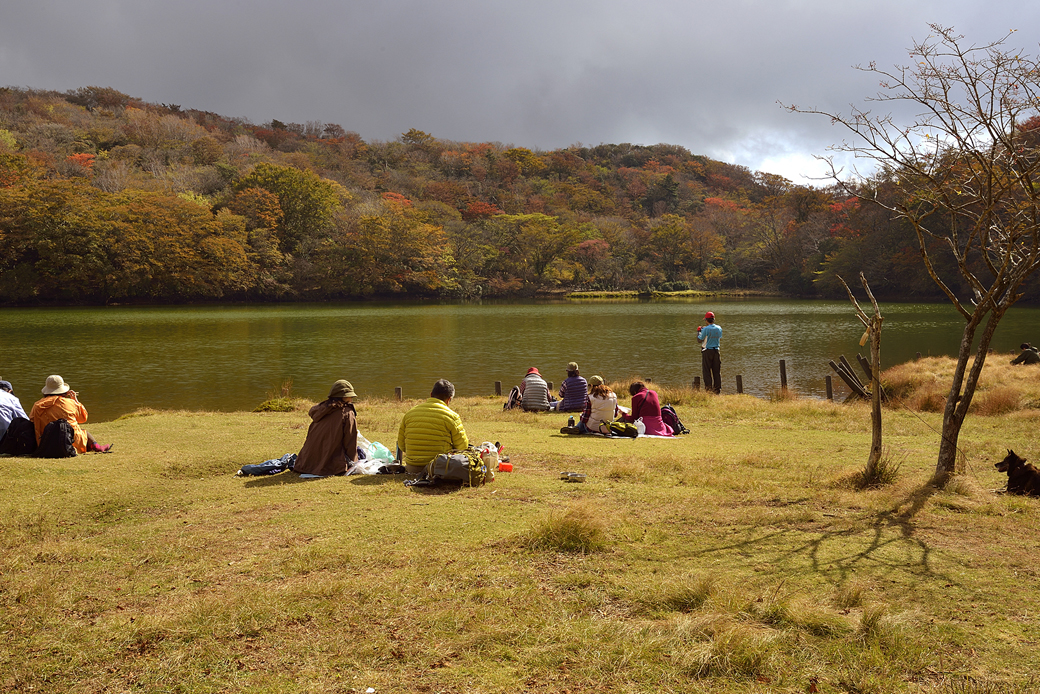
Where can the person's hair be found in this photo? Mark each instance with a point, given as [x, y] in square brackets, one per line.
[601, 391]
[443, 389]
[572, 374]
[636, 387]
[1024, 345]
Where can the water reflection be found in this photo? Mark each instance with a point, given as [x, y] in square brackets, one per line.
[232, 357]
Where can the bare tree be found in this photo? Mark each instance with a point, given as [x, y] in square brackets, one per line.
[965, 169]
[872, 324]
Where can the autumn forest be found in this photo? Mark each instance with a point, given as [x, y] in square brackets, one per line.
[105, 198]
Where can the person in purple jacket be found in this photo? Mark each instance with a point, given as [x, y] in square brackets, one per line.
[573, 391]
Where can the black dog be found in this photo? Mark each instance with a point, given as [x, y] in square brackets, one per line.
[1023, 478]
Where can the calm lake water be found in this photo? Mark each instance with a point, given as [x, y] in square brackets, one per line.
[234, 357]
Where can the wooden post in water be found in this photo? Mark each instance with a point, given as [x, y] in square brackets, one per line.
[918, 357]
[783, 375]
[696, 382]
[498, 387]
[740, 384]
[550, 385]
[830, 387]
[399, 392]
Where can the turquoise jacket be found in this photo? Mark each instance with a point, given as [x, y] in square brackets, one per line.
[710, 335]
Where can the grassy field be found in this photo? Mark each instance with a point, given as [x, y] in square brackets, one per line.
[740, 558]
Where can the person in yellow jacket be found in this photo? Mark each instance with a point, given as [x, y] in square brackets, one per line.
[430, 428]
[60, 402]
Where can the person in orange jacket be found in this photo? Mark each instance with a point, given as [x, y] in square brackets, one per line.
[60, 402]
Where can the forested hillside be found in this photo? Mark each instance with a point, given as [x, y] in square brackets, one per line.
[105, 198]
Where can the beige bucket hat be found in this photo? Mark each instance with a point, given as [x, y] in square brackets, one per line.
[56, 385]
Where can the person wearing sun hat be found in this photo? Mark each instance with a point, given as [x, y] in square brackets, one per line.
[331, 443]
[61, 402]
[534, 392]
[601, 408]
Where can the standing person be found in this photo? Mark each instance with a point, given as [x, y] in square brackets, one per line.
[600, 408]
[711, 364]
[534, 392]
[573, 391]
[647, 406]
[10, 407]
[430, 428]
[331, 443]
[60, 402]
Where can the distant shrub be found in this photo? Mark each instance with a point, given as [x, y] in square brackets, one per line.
[282, 405]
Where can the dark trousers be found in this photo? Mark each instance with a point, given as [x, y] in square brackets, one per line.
[711, 370]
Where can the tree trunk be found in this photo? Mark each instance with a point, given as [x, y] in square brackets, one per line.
[959, 399]
[875, 387]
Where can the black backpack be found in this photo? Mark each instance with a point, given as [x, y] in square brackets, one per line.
[669, 417]
[20, 439]
[56, 440]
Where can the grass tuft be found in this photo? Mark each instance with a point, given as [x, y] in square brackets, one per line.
[881, 473]
[849, 595]
[579, 530]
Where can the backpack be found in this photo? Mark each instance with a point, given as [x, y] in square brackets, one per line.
[669, 417]
[623, 429]
[465, 467]
[20, 439]
[56, 440]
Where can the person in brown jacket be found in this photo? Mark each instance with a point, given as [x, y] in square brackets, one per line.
[332, 436]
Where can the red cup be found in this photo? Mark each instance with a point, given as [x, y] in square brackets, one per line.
[505, 467]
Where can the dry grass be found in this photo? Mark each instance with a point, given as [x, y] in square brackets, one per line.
[923, 385]
[720, 562]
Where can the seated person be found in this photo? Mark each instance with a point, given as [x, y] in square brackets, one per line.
[573, 391]
[331, 444]
[601, 408]
[10, 407]
[1029, 355]
[534, 392]
[429, 429]
[647, 405]
[60, 402]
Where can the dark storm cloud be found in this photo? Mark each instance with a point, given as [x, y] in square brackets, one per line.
[704, 75]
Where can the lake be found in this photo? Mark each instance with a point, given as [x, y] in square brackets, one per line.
[227, 358]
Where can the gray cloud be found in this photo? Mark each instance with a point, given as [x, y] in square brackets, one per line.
[704, 75]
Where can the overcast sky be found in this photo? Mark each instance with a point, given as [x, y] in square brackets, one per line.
[706, 75]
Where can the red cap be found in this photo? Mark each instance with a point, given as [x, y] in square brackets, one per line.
[709, 316]
[533, 370]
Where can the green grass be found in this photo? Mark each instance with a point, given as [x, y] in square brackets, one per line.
[737, 559]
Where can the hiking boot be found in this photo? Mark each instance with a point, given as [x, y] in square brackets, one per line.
[570, 430]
